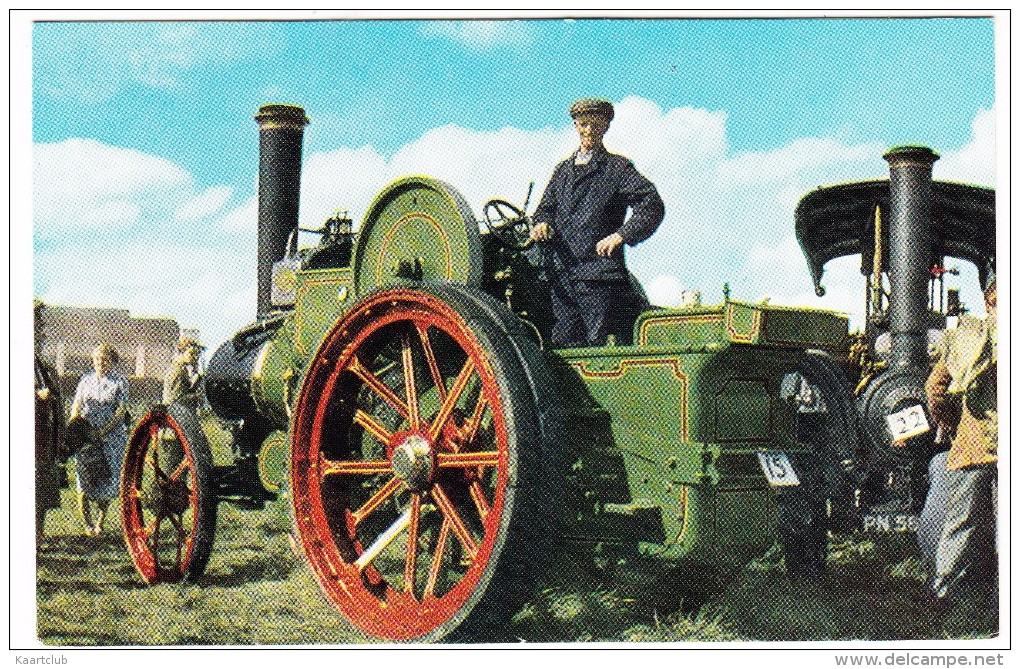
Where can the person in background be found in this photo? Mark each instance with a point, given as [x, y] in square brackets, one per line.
[962, 399]
[49, 429]
[183, 380]
[583, 218]
[101, 399]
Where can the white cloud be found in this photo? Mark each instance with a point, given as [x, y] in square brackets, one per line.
[110, 229]
[729, 217]
[242, 219]
[788, 163]
[205, 204]
[81, 184]
[664, 291]
[975, 161]
[480, 35]
[212, 288]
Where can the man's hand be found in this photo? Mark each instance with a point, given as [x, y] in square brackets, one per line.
[606, 246]
[542, 232]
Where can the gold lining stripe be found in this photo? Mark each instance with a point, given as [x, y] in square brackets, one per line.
[664, 320]
[624, 365]
[739, 337]
[447, 248]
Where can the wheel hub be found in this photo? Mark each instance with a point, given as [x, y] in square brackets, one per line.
[167, 498]
[413, 462]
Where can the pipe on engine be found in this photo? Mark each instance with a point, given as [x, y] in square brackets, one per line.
[910, 192]
[281, 131]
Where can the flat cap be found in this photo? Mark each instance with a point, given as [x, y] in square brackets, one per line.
[184, 343]
[592, 106]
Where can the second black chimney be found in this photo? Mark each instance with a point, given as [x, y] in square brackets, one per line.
[910, 251]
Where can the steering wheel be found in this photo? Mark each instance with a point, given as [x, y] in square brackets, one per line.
[508, 221]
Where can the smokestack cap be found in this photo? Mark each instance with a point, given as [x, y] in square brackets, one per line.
[910, 154]
[281, 116]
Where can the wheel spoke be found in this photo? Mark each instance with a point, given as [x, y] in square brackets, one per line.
[380, 388]
[412, 544]
[154, 536]
[375, 500]
[430, 360]
[181, 534]
[409, 388]
[181, 468]
[481, 459]
[460, 530]
[383, 540]
[351, 467]
[151, 527]
[154, 451]
[156, 468]
[176, 522]
[166, 467]
[372, 426]
[437, 559]
[476, 419]
[451, 400]
[402, 445]
[478, 496]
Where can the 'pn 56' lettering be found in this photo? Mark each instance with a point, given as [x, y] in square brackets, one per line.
[890, 522]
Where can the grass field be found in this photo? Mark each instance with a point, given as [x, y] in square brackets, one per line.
[257, 591]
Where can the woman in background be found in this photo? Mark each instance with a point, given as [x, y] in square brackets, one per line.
[101, 399]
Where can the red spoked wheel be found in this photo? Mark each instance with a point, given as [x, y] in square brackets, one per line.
[167, 500]
[421, 473]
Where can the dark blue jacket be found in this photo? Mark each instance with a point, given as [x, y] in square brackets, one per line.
[585, 203]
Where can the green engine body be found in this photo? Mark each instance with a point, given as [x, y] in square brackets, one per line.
[662, 436]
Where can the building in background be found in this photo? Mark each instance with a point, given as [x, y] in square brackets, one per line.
[146, 346]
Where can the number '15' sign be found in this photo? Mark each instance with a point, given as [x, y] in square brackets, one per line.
[777, 468]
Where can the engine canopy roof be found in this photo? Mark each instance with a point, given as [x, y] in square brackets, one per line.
[839, 220]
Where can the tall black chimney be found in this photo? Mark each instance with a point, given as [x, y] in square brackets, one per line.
[281, 130]
[910, 253]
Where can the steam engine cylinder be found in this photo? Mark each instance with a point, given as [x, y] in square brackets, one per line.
[228, 382]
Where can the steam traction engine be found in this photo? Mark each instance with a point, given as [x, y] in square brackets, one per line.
[438, 456]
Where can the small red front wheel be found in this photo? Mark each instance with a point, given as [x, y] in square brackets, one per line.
[167, 498]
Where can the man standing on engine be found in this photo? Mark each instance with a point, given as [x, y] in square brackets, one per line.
[583, 219]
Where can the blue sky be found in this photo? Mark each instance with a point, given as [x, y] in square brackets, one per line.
[155, 86]
[146, 151]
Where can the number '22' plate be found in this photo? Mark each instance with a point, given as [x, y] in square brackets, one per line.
[777, 468]
[907, 423]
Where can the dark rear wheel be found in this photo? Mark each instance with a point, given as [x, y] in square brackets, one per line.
[167, 499]
[803, 526]
[425, 490]
[828, 472]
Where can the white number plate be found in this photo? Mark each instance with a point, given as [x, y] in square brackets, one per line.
[777, 468]
[907, 423]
